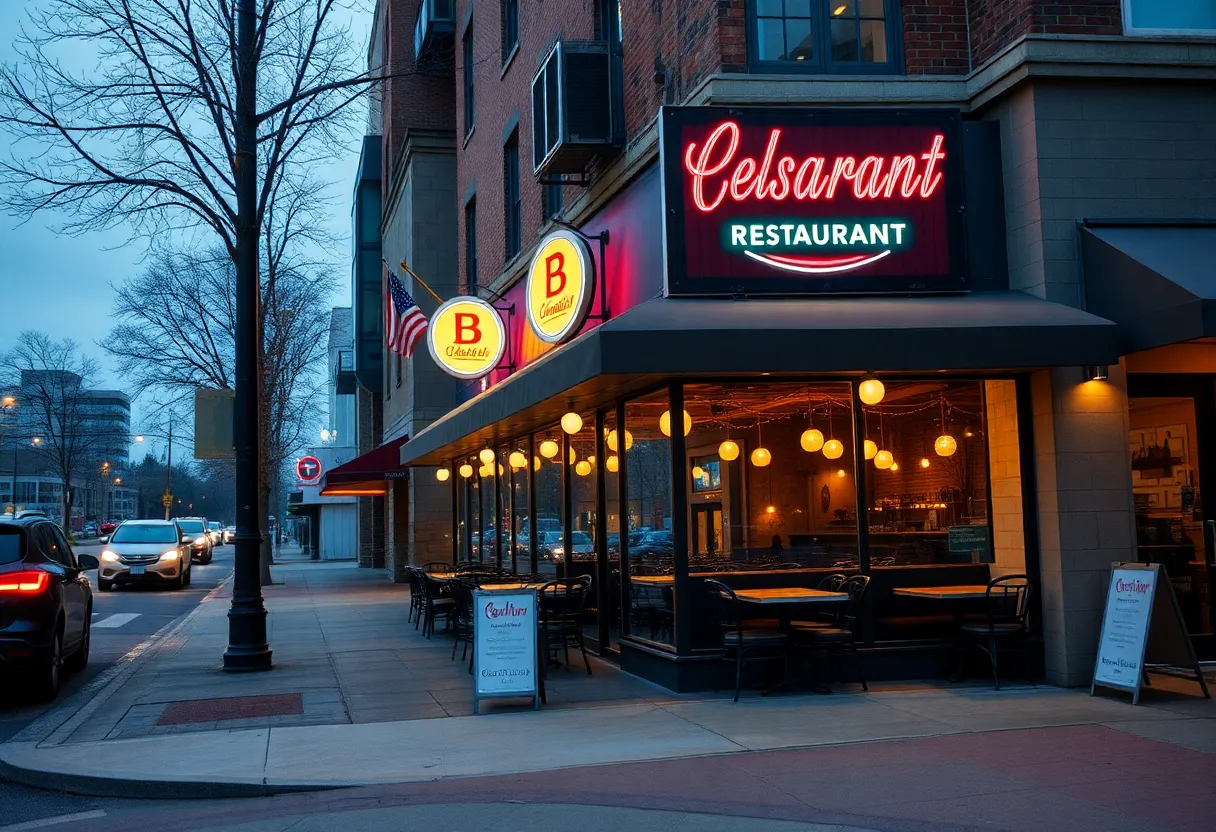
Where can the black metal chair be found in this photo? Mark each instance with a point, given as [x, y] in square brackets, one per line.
[562, 603]
[462, 618]
[826, 615]
[438, 602]
[741, 645]
[436, 566]
[832, 641]
[1006, 615]
[417, 596]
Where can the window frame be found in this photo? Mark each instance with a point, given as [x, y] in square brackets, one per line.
[894, 65]
[512, 201]
[1125, 8]
[469, 78]
[509, 18]
[551, 193]
[470, 245]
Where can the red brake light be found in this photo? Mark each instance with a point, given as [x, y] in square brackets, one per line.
[24, 582]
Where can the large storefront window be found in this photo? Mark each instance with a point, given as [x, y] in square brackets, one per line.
[770, 471]
[581, 560]
[518, 471]
[648, 515]
[927, 495]
[547, 515]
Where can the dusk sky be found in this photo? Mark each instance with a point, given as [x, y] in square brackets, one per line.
[62, 284]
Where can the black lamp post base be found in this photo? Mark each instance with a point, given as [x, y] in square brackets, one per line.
[251, 654]
[247, 659]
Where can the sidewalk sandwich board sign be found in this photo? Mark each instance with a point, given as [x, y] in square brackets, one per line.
[1142, 626]
[504, 645]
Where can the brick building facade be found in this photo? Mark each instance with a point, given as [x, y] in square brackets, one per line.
[1104, 109]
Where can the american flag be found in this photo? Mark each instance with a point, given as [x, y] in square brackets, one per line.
[404, 323]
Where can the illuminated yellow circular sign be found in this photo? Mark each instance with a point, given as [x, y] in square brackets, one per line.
[559, 286]
[466, 337]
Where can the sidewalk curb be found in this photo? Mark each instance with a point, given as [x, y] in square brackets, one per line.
[57, 724]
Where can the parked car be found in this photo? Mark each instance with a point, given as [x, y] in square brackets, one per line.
[229, 534]
[90, 529]
[201, 547]
[654, 544]
[552, 548]
[46, 604]
[216, 532]
[107, 528]
[146, 551]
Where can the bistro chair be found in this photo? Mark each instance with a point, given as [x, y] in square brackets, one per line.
[436, 566]
[417, 596]
[649, 605]
[826, 615]
[742, 645]
[836, 639]
[562, 603]
[462, 618]
[438, 602]
[1005, 616]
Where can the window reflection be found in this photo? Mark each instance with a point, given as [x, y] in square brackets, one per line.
[647, 453]
[547, 469]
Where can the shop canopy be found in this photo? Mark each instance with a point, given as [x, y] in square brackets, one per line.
[365, 475]
[681, 338]
[1156, 281]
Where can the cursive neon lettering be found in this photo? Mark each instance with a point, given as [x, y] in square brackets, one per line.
[718, 171]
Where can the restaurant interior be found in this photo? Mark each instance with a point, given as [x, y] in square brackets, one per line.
[915, 483]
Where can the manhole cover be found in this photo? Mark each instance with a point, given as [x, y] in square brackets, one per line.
[233, 707]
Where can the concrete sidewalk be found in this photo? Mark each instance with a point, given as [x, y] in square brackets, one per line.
[358, 697]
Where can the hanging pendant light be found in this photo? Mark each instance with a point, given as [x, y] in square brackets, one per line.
[883, 460]
[574, 456]
[871, 449]
[871, 390]
[583, 468]
[486, 456]
[548, 449]
[612, 463]
[924, 463]
[466, 470]
[760, 456]
[536, 462]
[728, 451]
[812, 438]
[665, 423]
[572, 423]
[945, 445]
[894, 466]
[833, 448]
[697, 472]
[612, 439]
[841, 473]
[517, 460]
[443, 474]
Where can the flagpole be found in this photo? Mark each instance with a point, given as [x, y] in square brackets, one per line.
[414, 275]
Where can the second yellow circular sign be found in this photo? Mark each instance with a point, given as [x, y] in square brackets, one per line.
[559, 286]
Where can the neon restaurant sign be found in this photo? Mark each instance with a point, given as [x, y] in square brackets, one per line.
[792, 201]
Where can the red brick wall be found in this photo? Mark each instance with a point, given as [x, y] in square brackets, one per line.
[422, 96]
[997, 23]
[935, 37]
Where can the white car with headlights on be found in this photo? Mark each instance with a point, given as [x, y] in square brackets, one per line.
[145, 551]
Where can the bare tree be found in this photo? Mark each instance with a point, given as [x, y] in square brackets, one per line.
[55, 409]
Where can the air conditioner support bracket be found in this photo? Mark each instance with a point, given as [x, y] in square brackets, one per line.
[577, 180]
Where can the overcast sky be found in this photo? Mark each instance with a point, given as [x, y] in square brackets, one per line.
[61, 284]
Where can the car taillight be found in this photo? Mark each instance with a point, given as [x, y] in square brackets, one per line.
[24, 582]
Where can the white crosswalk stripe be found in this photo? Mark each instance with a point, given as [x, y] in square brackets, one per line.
[116, 620]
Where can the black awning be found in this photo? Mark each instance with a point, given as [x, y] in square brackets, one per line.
[665, 338]
[365, 475]
[1157, 282]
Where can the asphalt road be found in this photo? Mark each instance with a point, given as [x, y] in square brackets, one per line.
[122, 619]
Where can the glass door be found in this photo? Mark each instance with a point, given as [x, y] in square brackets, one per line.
[1171, 446]
[706, 529]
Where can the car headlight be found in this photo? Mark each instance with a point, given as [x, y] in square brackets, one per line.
[109, 557]
[201, 540]
[170, 555]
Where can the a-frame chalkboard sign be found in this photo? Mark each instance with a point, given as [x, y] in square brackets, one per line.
[1142, 627]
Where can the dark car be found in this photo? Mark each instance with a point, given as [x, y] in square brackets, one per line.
[202, 547]
[654, 544]
[46, 604]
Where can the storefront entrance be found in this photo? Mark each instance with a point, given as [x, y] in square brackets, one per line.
[1172, 447]
[706, 529]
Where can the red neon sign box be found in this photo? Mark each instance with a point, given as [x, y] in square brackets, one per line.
[790, 201]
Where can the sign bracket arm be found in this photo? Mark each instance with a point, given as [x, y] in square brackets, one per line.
[601, 283]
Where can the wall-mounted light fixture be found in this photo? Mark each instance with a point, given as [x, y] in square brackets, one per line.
[1095, 372]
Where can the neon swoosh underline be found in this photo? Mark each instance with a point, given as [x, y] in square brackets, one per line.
[810, 265]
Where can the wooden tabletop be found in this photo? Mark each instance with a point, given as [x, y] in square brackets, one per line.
[657, 580]
[789, 595]
[517, 585]
[943, 593]
[441, 576]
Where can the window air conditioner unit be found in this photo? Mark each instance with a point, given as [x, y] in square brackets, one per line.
[435, 27]
[574, 111]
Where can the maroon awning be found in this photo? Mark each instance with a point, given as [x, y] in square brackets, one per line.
[366, 475]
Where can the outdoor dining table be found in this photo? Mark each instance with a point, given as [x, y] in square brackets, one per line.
[966, 592]
[785, 596]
